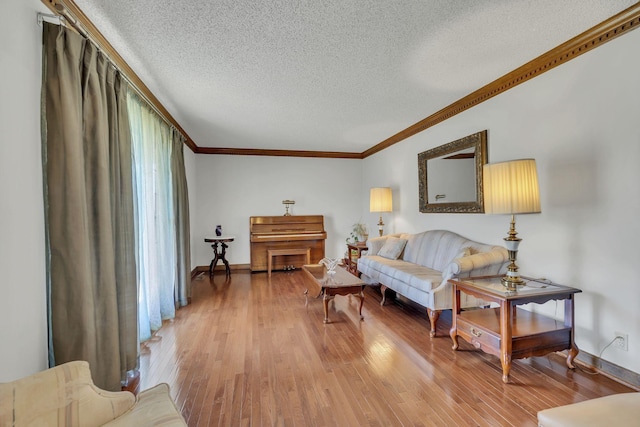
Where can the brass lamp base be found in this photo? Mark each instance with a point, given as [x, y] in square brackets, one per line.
[380, 226]
[512, 282]
[512, 279]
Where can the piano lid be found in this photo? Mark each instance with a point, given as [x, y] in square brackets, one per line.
[292, 224]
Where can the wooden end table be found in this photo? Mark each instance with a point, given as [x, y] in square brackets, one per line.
[340, 283]
[351, 261]
[507, 331]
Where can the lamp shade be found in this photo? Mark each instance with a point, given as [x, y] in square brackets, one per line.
[380, 200]
[511, 187]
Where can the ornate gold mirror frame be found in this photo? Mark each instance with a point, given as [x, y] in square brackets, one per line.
[472, 146]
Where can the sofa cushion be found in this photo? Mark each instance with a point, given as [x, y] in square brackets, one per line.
[392, 248]
[411, 280]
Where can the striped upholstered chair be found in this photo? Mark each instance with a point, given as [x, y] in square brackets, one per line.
[66, 396]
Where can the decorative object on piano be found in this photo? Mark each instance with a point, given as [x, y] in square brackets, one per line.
[288, 203]
[380, 200]
[331, 264]
[218, 230]
[359, 233]
[511, 188]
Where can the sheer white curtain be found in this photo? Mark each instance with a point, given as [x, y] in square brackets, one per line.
[151, 140]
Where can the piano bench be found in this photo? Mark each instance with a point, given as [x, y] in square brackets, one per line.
[275, 252]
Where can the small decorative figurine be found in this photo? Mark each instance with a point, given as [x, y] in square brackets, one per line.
[218, 230]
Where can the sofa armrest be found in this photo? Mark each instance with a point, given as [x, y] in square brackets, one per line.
[468, 265]
[478, 261]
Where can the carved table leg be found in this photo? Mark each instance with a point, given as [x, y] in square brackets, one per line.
[506, 338]
[453, 332]
[433, 319]
[569, 321]
[215, 259]
[325, 302]
[361, 296]
[573, 352]
[224, 259]
[506, 367]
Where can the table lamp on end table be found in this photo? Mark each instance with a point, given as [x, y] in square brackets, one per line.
[511, 188]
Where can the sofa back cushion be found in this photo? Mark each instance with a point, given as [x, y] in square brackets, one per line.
[437, 248]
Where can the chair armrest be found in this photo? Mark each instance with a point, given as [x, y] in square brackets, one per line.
[62, 395]
[154, 407]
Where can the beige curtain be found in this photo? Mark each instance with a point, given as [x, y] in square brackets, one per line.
[89, 209]
[181, 205]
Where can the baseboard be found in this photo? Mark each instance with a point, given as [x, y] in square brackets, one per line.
[608, 369]
[205, 268]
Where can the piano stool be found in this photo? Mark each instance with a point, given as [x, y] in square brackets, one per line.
[292, 251]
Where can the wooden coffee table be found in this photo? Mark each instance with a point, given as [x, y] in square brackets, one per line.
[339, 283]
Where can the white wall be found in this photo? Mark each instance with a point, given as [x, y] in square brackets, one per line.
[581, 122]
[23, 326]
[230, 189]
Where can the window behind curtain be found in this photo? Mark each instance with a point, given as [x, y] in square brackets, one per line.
[154, 216]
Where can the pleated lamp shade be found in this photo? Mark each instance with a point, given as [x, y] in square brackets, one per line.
[511, 187]
[380, 200]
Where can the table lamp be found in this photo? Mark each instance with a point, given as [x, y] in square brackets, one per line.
[511, 188]
[380, 200]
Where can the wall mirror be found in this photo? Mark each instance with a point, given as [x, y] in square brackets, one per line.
[450, 176]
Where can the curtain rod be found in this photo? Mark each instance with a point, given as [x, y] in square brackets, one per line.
[69, 19]
[41, 17]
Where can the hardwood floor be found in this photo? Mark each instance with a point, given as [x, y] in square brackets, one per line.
[251, 351]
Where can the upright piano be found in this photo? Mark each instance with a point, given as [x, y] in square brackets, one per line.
[286, 232]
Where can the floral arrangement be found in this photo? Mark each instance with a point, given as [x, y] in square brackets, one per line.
[358, 233]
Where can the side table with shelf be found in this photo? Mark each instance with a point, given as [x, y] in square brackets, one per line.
[507, 331]
[354, 252]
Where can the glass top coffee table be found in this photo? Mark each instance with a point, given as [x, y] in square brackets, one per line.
[329, 285]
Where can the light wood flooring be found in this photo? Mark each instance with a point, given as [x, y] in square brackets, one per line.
[252, 351]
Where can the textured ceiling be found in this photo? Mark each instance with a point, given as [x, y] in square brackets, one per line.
[327, 75]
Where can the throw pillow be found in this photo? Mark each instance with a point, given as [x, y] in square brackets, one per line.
[392, 248]
[463, 253]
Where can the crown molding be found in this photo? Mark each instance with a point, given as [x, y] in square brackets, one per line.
[619, 24]
[613, 27]
[278, 153]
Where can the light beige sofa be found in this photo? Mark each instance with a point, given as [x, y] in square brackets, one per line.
[66, 396]
[418, 266]
[616, 410]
